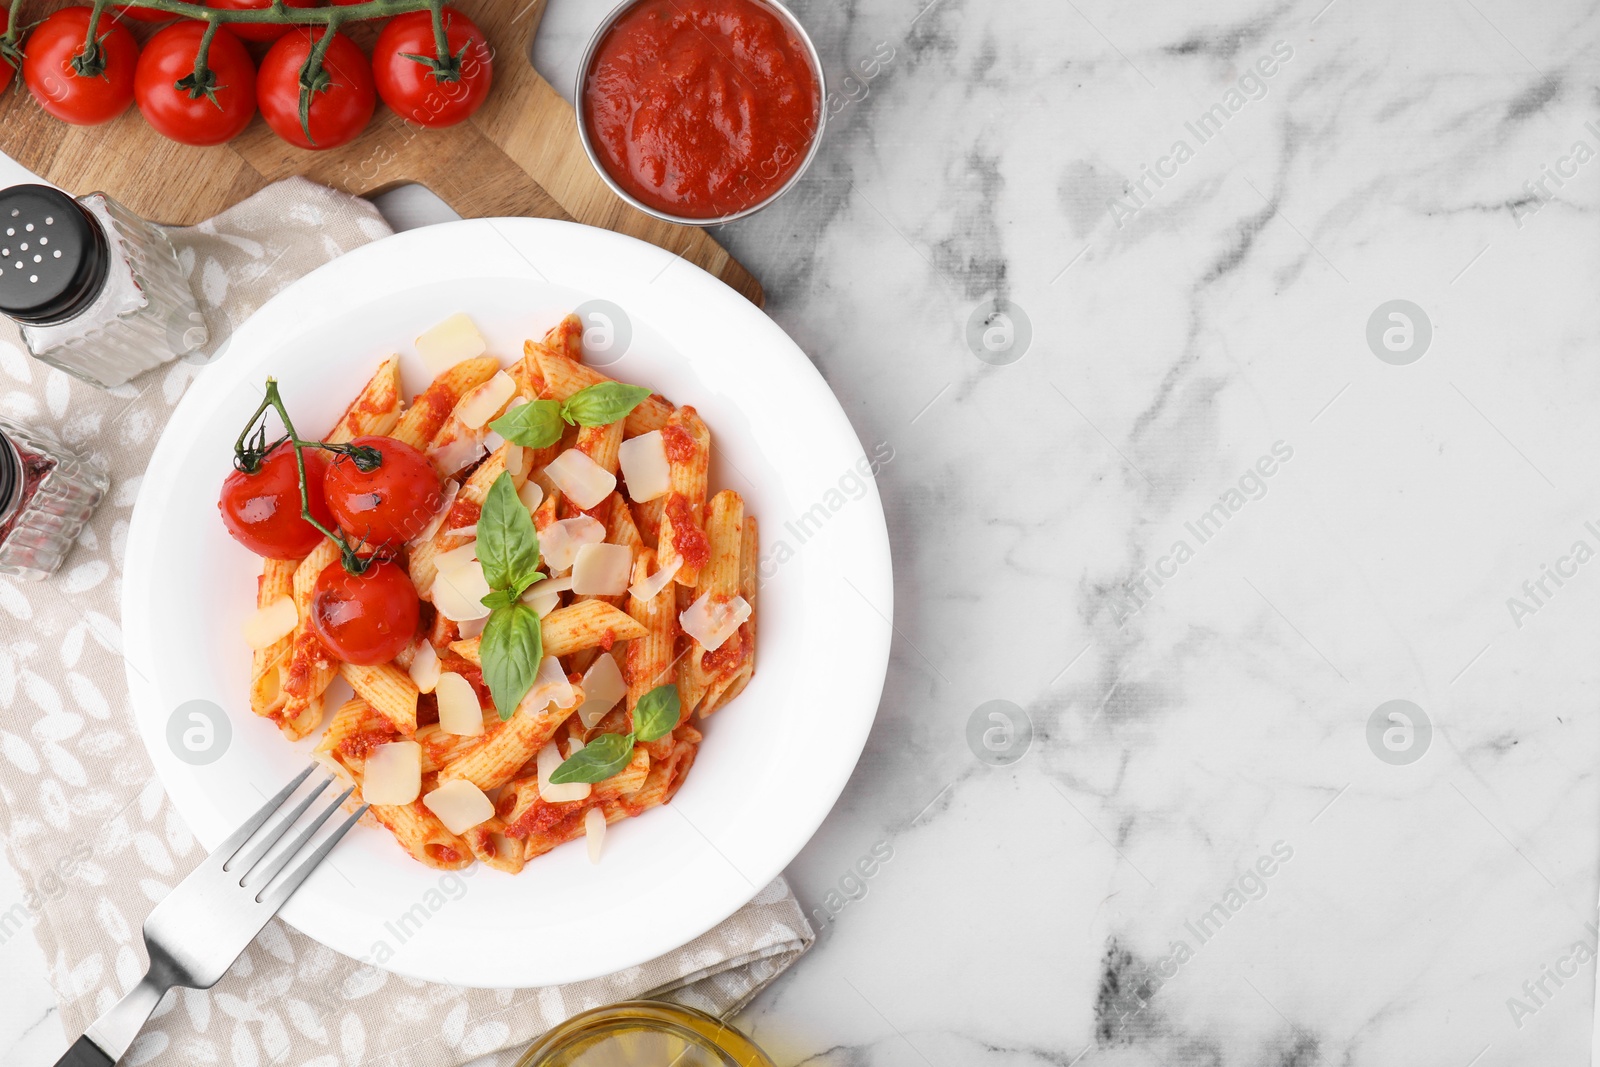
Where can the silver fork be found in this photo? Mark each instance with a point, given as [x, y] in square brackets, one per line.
[198, 930]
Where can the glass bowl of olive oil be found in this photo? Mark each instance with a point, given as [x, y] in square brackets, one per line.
[644, 1033]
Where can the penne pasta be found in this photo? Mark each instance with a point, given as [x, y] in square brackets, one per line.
[680, 539]
[266, 695]
[586, 624]
[563, 377]
[389, 690]
[428, 413]
[420, 833]
[699, 671]
[496, 757]
[707, 539]
[309, 667]
[376, 409]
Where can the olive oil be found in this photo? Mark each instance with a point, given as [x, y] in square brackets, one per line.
[644, 1033]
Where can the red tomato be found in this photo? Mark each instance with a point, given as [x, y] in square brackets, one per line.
[388, 505]
[256, 31]
[72, 97]
[413, 89]
[262, 510]
[141, 14]
[365, 619]
[202, 118]
[342, 104]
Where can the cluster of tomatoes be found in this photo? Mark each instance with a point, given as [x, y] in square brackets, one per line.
[366, 618]
[405, 71]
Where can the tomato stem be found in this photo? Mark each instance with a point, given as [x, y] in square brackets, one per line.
[248, 458]
[279, 15]
[91, 62]
[202, 82]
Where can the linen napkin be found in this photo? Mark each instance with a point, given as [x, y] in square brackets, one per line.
[86, 824]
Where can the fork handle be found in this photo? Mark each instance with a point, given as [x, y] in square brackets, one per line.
[109, 1036]
[85, 1053]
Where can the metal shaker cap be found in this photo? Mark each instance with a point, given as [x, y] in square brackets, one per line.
[54, 257]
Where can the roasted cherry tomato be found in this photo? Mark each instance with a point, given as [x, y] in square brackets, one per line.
[81, 99]
[262, 510]
[340, 108]
[141, 14]
[365, 619]
[256, 31]
[388, 505]
[412, 88]
[204, 116]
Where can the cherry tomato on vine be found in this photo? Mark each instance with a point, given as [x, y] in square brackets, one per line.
[141, 14]
[341, 104]
[256, 31]
[262, 510]
[365, 619]
[52, 75]
[388, 505]
[170, 101]
[424, 92]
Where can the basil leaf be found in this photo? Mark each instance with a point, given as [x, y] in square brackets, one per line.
[534, 425]
[498, 598]
[656, 714]
[595, 762]
[508, 544]
[510, 650]
[602, 403]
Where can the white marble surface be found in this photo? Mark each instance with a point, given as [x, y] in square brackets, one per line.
[1182, 732]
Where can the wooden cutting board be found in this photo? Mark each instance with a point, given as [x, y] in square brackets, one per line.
[519, 155]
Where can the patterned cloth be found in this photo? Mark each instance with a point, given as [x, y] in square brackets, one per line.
[88, 827]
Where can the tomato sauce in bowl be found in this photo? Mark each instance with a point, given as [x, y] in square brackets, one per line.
[701, 110]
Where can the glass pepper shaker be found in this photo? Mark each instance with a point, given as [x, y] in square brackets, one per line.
[47, 493]
[96, 290]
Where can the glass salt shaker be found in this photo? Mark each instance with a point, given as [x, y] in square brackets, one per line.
[47, 493]
[96, 290]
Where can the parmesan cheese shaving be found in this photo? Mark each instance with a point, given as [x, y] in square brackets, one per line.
[647, 589]
[457, 453]
[545, 596]
[459, 804]
[392, 773]
[602, 570]
[550, 686]
[603, 686]
[459, 710]
[560, 541]
[456, 556]
[711, 622]
[485, 402]
[459, 591]
[594, 832]
[643, 460]
[549, 760]
[425, 668]
[581, 479]
[451, 488]
[271, 622]
[450, 342]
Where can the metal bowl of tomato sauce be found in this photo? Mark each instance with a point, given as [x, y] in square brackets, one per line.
[700, 111]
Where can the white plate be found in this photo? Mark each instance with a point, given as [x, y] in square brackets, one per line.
[773, 762]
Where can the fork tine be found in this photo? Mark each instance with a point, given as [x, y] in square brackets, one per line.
[225, 851]
[291, 881]
[282, 860]
[248, 858]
